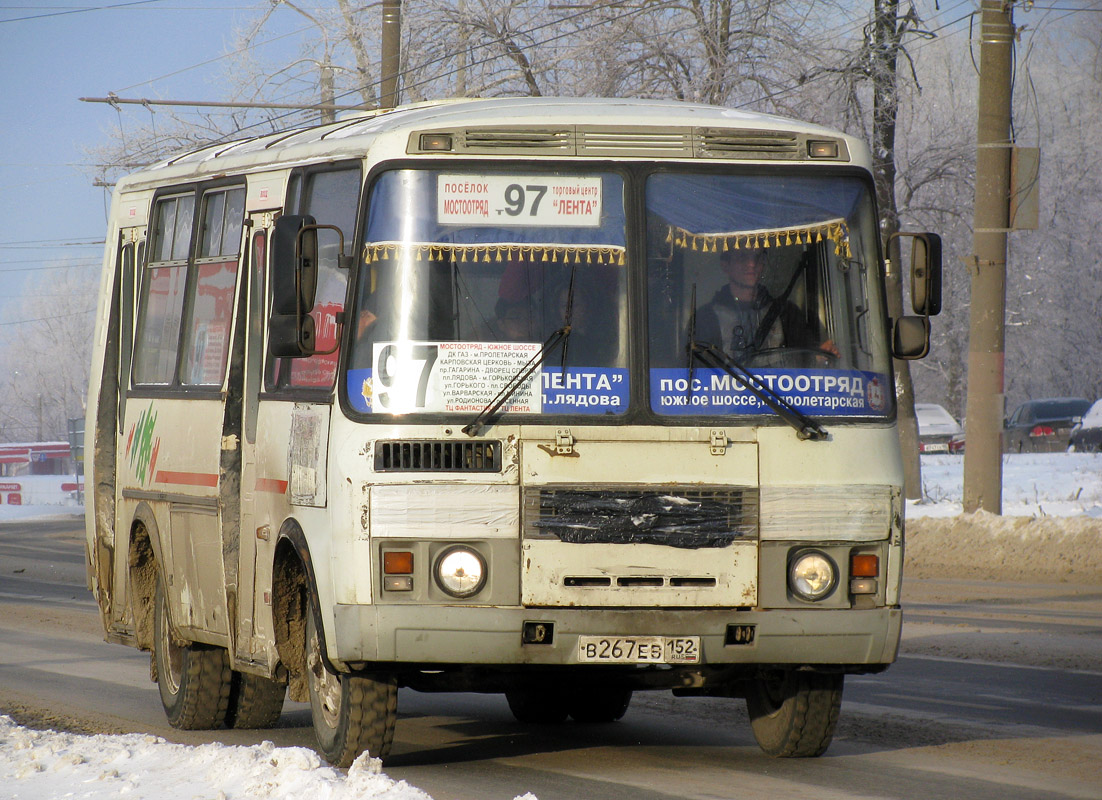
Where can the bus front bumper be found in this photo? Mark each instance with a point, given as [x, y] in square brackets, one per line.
[473, 635]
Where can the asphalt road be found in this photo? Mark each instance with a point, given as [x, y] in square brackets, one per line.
[983, 722]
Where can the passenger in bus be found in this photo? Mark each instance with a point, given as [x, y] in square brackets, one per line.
[743, 318]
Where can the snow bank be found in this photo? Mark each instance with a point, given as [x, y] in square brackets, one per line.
[39, 764]
[984, 546]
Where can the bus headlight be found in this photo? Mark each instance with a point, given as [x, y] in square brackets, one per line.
[812, 575]
[460, 571]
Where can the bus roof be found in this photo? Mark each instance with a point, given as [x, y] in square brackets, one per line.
[529, 126]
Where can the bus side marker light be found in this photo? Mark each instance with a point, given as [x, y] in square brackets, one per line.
[436, 141]
[862, 586]
[822, 149]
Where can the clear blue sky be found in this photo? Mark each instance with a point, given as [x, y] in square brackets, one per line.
[51, 54]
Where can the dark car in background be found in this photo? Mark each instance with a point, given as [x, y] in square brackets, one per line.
[938, 432]
[1086, 437]
[1043, 426]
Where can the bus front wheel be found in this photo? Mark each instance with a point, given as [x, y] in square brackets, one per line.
[599, 704]
[351, 713]
[194, 679]
[793, 713]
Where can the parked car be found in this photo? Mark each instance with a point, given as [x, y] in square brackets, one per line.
[1043, 426]
[1086, 437]
[938, 432]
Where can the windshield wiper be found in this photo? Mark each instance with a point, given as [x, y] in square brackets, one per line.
[561, 336]
[487, 415]
[711, 356]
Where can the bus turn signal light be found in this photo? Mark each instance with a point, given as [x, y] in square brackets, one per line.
[396, 562]
[864, 565]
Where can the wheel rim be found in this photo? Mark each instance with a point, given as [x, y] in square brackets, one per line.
[172, 655]
[324, 686]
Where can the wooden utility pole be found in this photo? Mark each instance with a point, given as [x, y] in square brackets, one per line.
[987, 335]
[391, 55]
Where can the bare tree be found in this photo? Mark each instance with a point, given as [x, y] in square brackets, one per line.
[46, 353]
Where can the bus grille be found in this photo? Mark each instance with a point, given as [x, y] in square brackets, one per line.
[688, 517]
[434, 456]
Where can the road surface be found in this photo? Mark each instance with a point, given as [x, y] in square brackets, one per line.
[997, 694]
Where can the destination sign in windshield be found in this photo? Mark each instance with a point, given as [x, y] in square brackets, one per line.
[529, 200]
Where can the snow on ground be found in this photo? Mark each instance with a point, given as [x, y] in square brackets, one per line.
[47, 764]
[1034, 485]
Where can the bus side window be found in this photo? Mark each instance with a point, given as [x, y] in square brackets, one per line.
[207, 331]
[331, 197]
[162, 291]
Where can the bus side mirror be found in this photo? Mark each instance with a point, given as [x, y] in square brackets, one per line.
[925, 272]
[294, 280]
[911, 338]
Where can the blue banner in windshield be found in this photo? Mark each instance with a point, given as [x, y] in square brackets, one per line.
[584, 390]
[815, 392]
[580, 390]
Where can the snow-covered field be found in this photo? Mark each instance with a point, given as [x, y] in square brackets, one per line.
[35, 765]
[1034, 485]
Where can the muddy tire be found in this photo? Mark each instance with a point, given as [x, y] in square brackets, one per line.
[255, 701]
[194, 679]
[599, 704]
[351, 713]
[538, 705]
[793, 714]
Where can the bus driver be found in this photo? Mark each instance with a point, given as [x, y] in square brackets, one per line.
[742, 318]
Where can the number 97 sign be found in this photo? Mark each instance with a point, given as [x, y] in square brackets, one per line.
[528, 200]
[409, 377]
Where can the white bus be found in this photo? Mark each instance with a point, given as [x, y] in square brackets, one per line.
[561, 399]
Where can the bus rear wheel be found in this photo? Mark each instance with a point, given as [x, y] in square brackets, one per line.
[194, 680]
[255, 701]
[793, 714]
[351, 713]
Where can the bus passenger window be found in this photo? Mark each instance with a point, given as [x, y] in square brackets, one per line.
[162, 292]
[207, 330]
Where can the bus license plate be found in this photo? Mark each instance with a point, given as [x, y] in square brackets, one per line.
[639, 649]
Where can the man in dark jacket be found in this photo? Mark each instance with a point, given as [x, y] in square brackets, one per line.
[742, 318]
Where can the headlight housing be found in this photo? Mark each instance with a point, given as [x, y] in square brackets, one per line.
[812, 575]
[460, 571]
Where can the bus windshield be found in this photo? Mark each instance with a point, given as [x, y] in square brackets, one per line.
[770, 273]
[465, 275]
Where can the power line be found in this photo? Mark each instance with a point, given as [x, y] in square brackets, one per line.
[49, 319]
[81, 10]
[52, 243]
